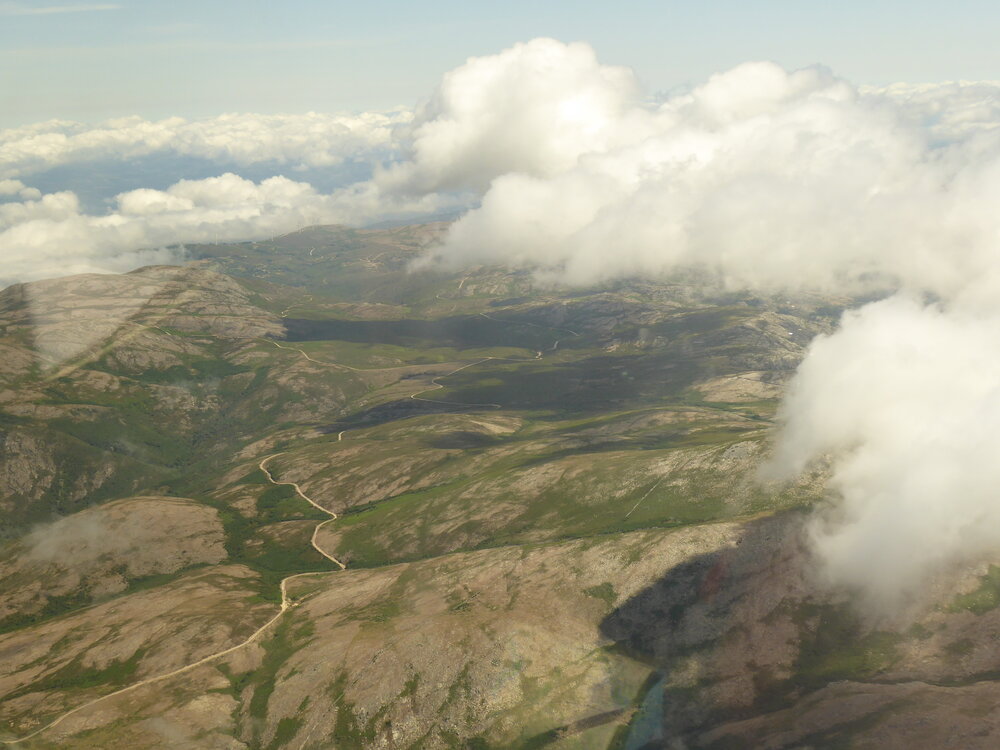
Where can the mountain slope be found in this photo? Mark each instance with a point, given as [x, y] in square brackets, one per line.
[546, 500]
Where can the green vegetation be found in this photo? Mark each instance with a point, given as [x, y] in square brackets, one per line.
[274, 558]
[553, 493]
[282, 503]
[838, 649]
[76, 677]
[960, 648]
[54, 606]
[985, 598]
[59, 605]
[287, 728]
[277, 650]
[603, 591]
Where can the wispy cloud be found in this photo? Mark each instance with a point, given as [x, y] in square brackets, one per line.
[17, 9]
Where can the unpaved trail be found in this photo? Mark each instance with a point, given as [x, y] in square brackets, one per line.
[286, 604]
[333, 516]
[647, 494]
[435, 385]
[284, 313]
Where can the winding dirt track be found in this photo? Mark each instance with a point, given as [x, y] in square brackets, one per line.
[333, 516]
[435, 385]
[286, 603]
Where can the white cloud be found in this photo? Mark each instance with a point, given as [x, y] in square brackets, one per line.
[50, 236]
[18, 189]
[950, 111]
[533, 109]
[906, 398]
[308, 140]
[776, 179]
[783, 180]
[773, 178]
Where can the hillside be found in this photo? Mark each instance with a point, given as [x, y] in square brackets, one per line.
[546, 500]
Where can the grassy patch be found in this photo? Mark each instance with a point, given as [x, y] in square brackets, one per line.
[74, 676]
[985, 598]
[273, 559]
[603, 591]
[838, 649]
[286, 730]
[277, 650]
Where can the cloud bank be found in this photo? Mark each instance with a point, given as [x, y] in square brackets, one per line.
[308, 140]
[775, 179]
[532, 109]
[48, 235]
[53, 234]
[771, 178]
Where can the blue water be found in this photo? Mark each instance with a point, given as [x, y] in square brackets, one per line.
[647, 724]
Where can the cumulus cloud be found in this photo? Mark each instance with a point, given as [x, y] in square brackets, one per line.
[50, 236]
[16, 188]
[950, 111]
[906, 398]
[532, 109]
[771, 178]
[775, 179]
[54, 234]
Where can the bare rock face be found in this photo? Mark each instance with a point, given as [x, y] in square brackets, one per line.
[98, 551]
[35, 466]
[27, 467]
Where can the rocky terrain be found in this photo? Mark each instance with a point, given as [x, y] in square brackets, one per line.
[547, 501]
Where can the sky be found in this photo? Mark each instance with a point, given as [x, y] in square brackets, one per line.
[89, 61]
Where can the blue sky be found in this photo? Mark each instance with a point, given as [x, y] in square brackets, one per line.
[93, 60]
